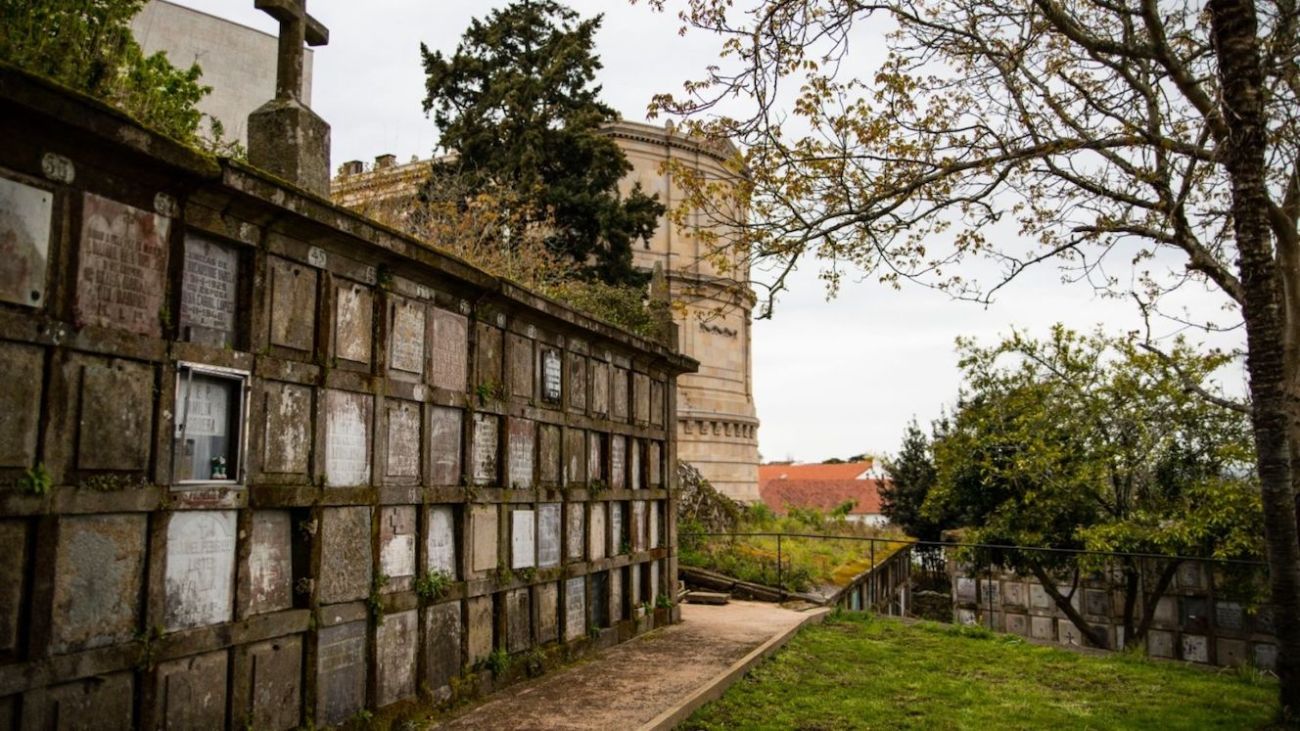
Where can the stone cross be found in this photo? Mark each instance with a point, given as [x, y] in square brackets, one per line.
[296, 27]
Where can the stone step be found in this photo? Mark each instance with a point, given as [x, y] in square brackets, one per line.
[707, 597]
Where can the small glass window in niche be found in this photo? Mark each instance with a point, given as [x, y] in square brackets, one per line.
[210, 406]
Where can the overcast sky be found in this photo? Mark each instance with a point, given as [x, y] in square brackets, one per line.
[831, 378]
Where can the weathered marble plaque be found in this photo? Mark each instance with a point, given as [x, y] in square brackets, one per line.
[276, 670]
[440, 541]
[548, 454]
[1228, 615]
[519, 620]
[1018, 624]
[13, 546]
[641, 401]
[548, 612]
[209, 291]
[600, 599]
[406, 341]
[595, 457]
[618, 462]
[577, 382]
[548, 535]
[575, 529]
[656, 464]
[616, 609]
[449, 341]
[1266, 657]
[20, 403]
[122, 266]
[345, 554]
[634, 584]
[286, 442]
[618, 409]
[192, 691]
[488, 366]
[98, 571]
[599, 387]
[397, 546]
[483, 531]
[653, 532]
[479, 629]
[340, 672]
[293, 304]
[990, 595]
[1095, 602]
[353, 323]
[1230, 652]
[1039, 598]
[638, 538]
[1196, 648]
[656, 403]
[100, 703]
[347, 438]
[552, 376]
[270, 563]
[575, 608]
[575, 457]
[523, 446]
[523, 539]
[1160, 643]
[116, 414]
[200, 574]
[486, 434]
[1013, 593]
[598, 537]
[635, 471]
[25, 217]
[403, 440]
[444, 445]
[1042, 628]
[396, 641]
[655, 588]
[442, 633]
[617, 528]
[521, 367]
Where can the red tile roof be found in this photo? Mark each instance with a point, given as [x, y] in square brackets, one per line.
[820, 486]
[846, 471]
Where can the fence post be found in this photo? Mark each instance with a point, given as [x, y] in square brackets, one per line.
[778, 564]
[871, 580]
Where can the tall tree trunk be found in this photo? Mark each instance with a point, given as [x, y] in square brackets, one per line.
[1234, 27]
[1063, 603]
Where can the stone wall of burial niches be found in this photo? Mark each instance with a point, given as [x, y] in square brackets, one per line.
[267, 465]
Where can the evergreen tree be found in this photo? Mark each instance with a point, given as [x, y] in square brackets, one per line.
[911, 475]
[518, 108]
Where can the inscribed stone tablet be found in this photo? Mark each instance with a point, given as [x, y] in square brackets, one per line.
[519, 620]
[1018, 624]
[403, 440]
[406, 344]
[20, 403]
[286, 444]
[340, 672]
[965, 589]
[653, 531]
[1068, 634]
[440, 542]
[552, 376]
[616, 595]
[522, 444]
[1039, 598]
[655, 458]
[655, 589]
[1189, 575]
[479, 629]
[1042, 628]
[548, 612]
[1095, 602]
[575, 457]
[1228, 615]
[347, 438]
[600, 387]
[635, 470]
[1160, 644]
[483, 530]
[595, 457]
[397, 546]
[575, 531]
[352, 326]
[617, 528]
[293, 304]
[638, 526]
[523, 539]
[989, 594]
[209, 289]
[641, 389]
[488, 364]
[200, 568]
[548, 454]
[25, 215]
[101, 703]
[276, 670]
[1195, 648]
[449, 342]
[444, 445]
[1266, 657]
[116, 415]
[270, 567]
[521, 367]
[634, 584]
[657, 403]
[1230, 652]
[345, 554]
[98, 569]
[620, 386]
[548, 535]
[577, 382]
[598, 537]
[1013, 593]
[575, 608]
[396, 640]
[618, 462]
[122, 266]
[442, 632]
[486, 433]
[192, 691]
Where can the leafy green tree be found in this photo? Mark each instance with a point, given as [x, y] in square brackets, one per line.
[911, 476]
[88, 46]
[1092, 443]
[517, 106]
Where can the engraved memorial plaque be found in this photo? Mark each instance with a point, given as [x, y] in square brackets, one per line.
[618, 462]
[575, 608]
[347, 438]
[641, 394]
[548, 454]
[443, 631]
[600, 387]
[25, 216]
[655, 464]
[519, 620]
[638, 526]
[483, 530]
[352, 328]
[552, 376]
[595, 457]
[396, 640]
[577, 382]
[270, 568]
[575, 531]
[397, 545]
[209, 290]
[523, 545]
[449, 343]
[403, 440]
[440, 543]
[488, 362]
[575, 457]
[293, 304]
[523, 437]
[200, 573]
[596, 548]
[345, 554]
[635, 470]
[340, 672]
[406, 344]
[653, 530]
[479, 629]
[444, 445]
[620, 386]
[656, 403]
[521, 367]
[122, 266]
[548, 535]
[617, 536]
[106, 552]
[485, 449]
[286, 441]
[1195, 648]
[548, 612]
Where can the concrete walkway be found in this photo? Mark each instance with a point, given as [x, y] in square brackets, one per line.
[651, 682]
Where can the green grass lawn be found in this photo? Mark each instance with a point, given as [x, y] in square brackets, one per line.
[854, 672]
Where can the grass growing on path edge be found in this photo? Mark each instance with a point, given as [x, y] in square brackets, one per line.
[854, 672]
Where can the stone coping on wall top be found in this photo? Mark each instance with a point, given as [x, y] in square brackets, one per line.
[44, 97]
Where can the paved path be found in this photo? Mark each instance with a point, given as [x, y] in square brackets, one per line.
[652, 681]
